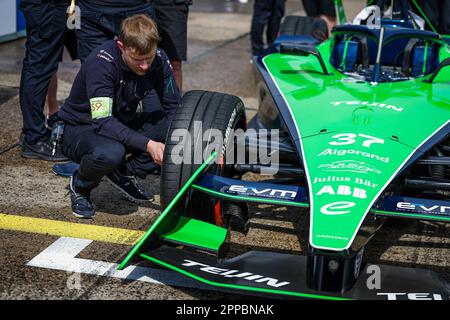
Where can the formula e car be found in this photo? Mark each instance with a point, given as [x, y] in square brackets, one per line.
[362, 125]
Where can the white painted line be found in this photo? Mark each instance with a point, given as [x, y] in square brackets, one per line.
[61, 255]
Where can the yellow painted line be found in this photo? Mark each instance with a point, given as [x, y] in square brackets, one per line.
[69, 229]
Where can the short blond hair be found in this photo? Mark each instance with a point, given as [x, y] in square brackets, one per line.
[140, 33]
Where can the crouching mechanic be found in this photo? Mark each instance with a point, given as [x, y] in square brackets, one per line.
[105, 119]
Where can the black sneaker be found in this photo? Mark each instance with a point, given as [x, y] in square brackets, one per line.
[42, 150]
[129, 186]
[82, 206]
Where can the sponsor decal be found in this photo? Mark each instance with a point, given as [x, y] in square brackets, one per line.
[334, 237]
[366, 103]
[335, 208]
[366, 183]
[343, 139]
[359, 181]
[421, 208]
[230, 273]
[331, 179]
[411, 296]
[349, 166]
[336, 152]
[266, 193]
[343, 190]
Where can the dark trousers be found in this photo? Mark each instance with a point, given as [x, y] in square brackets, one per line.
[99, 155]
[315, 8]
[172, 21]
[100, 24]
[438, 12]
[45, 27]
[266, 13]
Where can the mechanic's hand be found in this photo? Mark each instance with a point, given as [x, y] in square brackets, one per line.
[156, 150]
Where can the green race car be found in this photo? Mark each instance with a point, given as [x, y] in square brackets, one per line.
[361, 123]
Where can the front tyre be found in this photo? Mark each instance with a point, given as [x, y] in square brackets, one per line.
[193, 129]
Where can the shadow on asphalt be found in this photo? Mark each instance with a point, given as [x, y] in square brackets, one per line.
[116, 203]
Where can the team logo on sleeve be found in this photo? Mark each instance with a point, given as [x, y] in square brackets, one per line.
[105, 55]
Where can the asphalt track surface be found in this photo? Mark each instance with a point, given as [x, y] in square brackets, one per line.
[47, 253]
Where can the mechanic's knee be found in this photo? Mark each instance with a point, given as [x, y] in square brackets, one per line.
[109, 158]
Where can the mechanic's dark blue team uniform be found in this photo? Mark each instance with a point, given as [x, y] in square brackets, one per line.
[101, 21]
[100, 144]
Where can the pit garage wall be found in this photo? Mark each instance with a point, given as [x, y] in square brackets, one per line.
[12, 23]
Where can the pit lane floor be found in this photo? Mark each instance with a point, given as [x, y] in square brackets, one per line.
[46, 253]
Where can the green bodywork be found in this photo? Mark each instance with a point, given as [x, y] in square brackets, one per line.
[197, 233]
[355, 137]
[180, 229]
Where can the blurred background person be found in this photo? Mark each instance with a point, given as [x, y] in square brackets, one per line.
[101, 20]
[267, 15]
[323, 9]
[45, 22]
[52, 105]
[172, 17]
[438, 13]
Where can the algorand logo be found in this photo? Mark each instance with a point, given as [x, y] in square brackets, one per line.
[367, 104]
[337, 152]
[230, 273]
